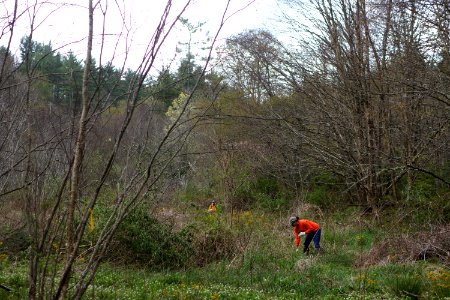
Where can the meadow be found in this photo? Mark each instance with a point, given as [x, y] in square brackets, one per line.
[361, 260]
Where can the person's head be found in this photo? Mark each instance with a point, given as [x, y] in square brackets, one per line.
[213, 202]
[293, 220]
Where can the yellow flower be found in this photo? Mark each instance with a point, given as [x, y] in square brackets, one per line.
[440, 279]
[55, 246]
[91, 220]
[214, 297]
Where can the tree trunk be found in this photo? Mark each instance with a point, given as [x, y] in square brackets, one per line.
[71, 250]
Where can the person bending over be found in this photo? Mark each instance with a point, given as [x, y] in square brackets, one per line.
[310, 229]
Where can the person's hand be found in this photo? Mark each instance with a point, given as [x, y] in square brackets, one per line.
[301, 233]
[296, 250]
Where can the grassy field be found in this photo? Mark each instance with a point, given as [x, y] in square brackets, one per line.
[269, 268]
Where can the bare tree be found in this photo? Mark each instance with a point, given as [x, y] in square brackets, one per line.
[364, 98]
[367, 93]
[67, 164]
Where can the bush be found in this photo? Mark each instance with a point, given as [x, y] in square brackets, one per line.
[144, 240]
[319, 197]
[17, 242]
[210, 240]
[431, 244]
[265, 193]
[269, 204]
[322, 191]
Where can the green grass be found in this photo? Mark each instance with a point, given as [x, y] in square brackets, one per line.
[268, 269]
[13, 275]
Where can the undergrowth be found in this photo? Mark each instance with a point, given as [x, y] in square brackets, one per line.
[261, 263]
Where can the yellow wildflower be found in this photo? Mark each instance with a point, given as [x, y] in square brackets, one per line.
[55, 246]
[214, 297]
[91, 220]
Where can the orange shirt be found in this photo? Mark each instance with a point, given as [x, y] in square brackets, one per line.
[305, 226]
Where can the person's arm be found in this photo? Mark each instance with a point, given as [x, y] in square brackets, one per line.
[297, 238]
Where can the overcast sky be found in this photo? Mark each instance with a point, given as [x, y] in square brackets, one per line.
[64, 23]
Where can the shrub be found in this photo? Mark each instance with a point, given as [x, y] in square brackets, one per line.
[322, 191]
[210, 240]
[427, 199]
[17, 242]
[319, 196]
[417, 246]
[144, 240]
[268, 203]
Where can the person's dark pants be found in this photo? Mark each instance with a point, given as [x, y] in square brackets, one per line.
[312, 236]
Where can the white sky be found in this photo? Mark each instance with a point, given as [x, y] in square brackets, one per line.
[64, 23]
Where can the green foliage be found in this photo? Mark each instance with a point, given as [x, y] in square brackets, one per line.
[403, 280]
[364, 239]
[408, 285]
[143, 240]
[166, 88]
[268, 186]
[45, 64]
[318, 196]
[264, 193]
[152, 244]
[14, 276]
[423, 187]
[58, 78]
[322, 191]
[15, 243]
[427, 198]
[268, 203]
[193, 194]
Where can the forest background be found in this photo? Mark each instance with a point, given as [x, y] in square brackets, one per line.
[106, 172]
